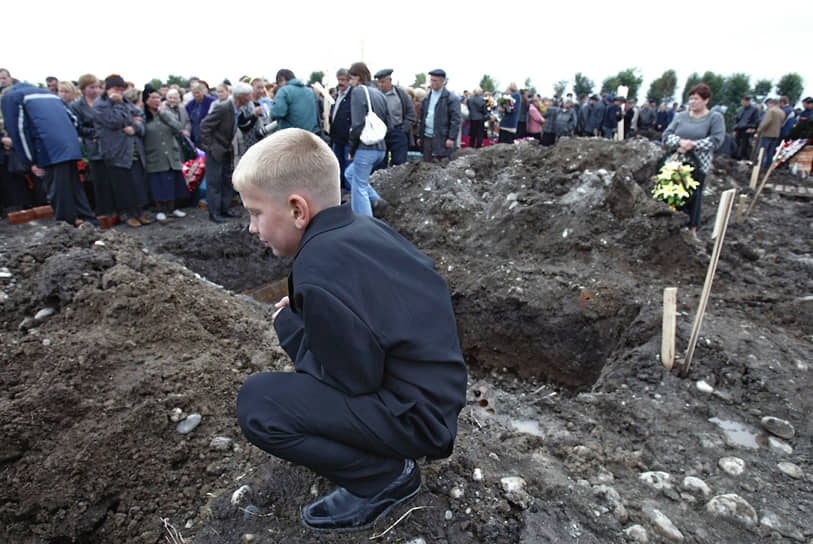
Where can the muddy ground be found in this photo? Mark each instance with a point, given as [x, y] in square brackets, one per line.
[574, 432]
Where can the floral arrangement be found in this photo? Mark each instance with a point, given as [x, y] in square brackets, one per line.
[491, 103]
[674, 183]
[507, 103]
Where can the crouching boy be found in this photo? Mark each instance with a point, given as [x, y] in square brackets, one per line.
[379, 378]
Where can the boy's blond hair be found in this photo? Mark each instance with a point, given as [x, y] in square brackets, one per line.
[291, 161]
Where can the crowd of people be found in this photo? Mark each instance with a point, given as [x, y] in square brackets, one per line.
[106, 152]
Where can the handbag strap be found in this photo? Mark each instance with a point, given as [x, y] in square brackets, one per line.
[369, 104]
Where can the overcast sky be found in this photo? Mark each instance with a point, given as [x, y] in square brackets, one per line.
[546, 41]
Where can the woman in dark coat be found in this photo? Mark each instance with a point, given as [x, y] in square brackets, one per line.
[119, 132]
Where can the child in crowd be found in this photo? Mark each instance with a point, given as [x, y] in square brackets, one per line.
[369, 324]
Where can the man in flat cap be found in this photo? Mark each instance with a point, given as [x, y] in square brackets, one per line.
[402, 115]
[440, 119]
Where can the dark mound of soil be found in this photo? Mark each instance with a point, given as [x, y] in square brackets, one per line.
[574, 432]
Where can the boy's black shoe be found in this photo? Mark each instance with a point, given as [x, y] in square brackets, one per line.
[216, 218]
[232, 213]
[341, 510]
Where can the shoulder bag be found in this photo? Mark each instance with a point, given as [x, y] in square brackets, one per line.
[375, 130]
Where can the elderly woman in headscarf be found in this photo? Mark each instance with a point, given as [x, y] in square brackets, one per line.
[120, 130]
[162, 154]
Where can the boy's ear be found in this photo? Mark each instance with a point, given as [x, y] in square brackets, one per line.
[300, 210]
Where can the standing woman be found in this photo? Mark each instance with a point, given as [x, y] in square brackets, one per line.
[477, 118]
[86, 127]
[174, 105]
[701, 131]
[535, 120]
[116, 127]
[510, 119]
[364, 156]
[162, 154]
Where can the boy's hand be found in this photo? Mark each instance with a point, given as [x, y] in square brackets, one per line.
[279, 306]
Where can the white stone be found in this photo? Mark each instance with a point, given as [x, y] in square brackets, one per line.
[794, 471]
[608, 492]
[636, 533]
[694, 484]
[240, 495]
[418, 540]
[778, 427]
[98, 243]
[188, 425]
[220, 443]
[511, 197]
[5, 272]
[732, 465]
[512, 483]
[176, 415]
[704, 386]
[248, 538]
[456, 492]
[44, 314]
[470, 173]
[448, 515]
[656, 479]
[477, 476]
[662, 524]
[779, 446]
[732, 506]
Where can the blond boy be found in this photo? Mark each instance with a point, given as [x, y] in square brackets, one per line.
[379, 378]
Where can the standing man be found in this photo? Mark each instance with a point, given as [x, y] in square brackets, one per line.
[440, 119]
[746, 122]
[769, 131]
[294, 103]
[216, 133]
[340, 123]
[402, 115]
[42, 130]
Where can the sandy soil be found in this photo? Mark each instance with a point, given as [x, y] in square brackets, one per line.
[574, 432]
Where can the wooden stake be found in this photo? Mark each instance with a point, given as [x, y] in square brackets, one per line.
[669, 324]
[740, 206]
[759, 191]
[757, 166]
[723, 214]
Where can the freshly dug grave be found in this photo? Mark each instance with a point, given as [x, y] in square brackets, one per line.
[556, 259]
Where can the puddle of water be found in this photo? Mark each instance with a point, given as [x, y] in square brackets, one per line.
[740, 434]
[528, 426]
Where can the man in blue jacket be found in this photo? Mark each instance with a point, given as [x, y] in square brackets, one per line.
[44, 136]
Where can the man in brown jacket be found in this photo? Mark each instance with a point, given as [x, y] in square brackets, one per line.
[769, 130]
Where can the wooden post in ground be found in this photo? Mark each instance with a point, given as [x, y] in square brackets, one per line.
[740, 207]
[757, 166]
[720, 226]
[669, 324]
[759, 191]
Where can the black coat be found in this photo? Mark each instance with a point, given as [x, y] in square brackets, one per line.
[341, 123]
[446, 124]
[217, 130]
[370, 316]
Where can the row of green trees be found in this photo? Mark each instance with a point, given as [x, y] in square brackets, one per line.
[725, 89]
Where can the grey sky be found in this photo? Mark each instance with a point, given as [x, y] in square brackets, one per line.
[509, 41]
